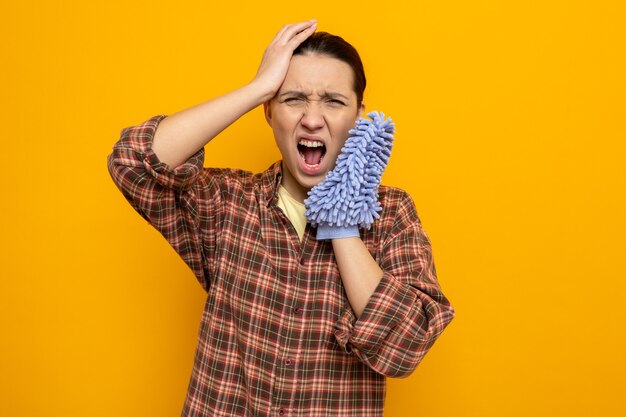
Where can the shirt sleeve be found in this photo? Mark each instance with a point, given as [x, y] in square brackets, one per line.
[167, 197]
[407, 311]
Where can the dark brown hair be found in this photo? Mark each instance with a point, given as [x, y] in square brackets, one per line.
[324, 43]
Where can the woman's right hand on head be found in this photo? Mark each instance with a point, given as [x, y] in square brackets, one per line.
[180, 135]
[277, 55]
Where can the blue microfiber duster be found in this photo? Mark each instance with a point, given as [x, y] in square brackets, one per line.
[347, 198]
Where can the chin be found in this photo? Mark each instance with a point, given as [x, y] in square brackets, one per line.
[309, 183]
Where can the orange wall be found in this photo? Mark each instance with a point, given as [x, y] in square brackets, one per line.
[510, 137]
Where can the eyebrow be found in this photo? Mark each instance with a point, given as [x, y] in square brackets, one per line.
[300, 93]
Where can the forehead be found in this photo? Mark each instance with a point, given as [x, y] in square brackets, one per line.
[318, 73]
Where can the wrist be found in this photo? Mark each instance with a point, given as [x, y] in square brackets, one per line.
[326, 231]
[259, 91]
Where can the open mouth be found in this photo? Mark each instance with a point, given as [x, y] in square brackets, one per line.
[312, 152]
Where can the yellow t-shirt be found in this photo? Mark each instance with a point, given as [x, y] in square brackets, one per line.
[293, 209]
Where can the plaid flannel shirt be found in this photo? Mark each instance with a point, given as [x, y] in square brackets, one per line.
[278, 336]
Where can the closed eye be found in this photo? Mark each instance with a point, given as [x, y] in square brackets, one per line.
[293, 99]
[335, 101]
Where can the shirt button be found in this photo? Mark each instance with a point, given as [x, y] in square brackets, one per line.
[281, 411]
[296, 310]
[301, 261]
[287, 362]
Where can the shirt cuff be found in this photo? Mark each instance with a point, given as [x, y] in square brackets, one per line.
[388, 306]
[140, 139]
[179, 178]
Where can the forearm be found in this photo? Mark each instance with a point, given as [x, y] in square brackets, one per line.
[359, 272]
[182, 134]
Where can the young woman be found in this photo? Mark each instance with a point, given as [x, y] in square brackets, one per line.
[293, 324]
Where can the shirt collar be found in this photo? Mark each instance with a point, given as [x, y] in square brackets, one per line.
[270, 181]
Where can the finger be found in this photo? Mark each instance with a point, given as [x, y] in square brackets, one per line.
[301, 36]
[293, 30]
[280, 32]
[278, 35]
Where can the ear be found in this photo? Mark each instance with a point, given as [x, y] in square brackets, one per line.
[267, 109]
[361, 110]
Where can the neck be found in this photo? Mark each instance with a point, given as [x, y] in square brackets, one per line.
[296, 190]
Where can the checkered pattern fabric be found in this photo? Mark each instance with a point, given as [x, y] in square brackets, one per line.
[278, 336]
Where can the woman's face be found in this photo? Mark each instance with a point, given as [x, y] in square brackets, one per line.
[311, 115]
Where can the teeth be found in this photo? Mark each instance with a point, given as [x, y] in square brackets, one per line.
[310, 143]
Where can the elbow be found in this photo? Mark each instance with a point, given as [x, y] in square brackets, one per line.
[398, 365]
[115, 170]
[401, 372]
[111, 161]
[112, 167]
[401, 359]
[405, 366]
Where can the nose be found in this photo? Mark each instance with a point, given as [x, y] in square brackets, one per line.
[313, 117]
